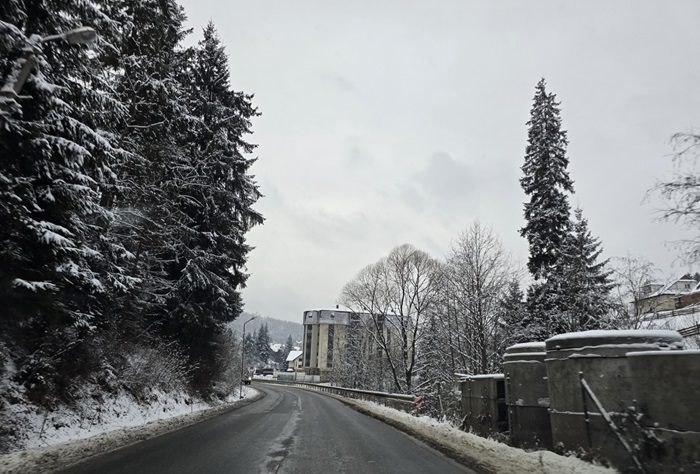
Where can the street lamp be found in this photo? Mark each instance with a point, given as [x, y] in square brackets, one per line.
[82, 35]
[240, 392]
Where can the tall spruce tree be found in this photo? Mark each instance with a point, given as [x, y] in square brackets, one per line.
[547, 184]
[213, 201]
[145, 62]
[217, 198]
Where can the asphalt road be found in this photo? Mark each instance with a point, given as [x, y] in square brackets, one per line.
[288, 431]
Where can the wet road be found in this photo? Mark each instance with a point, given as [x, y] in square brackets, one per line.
[288, 431]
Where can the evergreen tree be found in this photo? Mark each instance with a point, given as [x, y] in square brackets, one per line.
[288, 347]
[145, 64]
[546, 182]
[57, 153]
[585, 279]
[213, 201]
[513, 318]
[216, 200]
[251, 347]
[262, 344]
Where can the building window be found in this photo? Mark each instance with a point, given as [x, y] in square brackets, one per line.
[329, 358]
[307, 351]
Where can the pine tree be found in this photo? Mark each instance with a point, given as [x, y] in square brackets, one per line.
[262, 344]
[288, 346]
[251, 347]
[585, 279]
[145, 62]
[57, 153]
[212, 198]
[546, 182]
[513, 318]
[216, 200]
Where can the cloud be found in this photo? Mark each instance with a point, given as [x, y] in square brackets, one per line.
[343, 84]
[446, 180]
[357, 155]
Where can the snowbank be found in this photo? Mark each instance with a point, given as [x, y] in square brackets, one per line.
[67, 440]
[476, 452]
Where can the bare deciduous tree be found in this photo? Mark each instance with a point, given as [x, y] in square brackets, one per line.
[397, 293]
[479, 271]
[631, 275]
[682, 191]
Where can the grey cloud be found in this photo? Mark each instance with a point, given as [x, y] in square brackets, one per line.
[357, 155]
[446, 180]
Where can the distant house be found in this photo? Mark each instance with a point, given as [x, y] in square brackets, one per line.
[675, 295]
[294, 361]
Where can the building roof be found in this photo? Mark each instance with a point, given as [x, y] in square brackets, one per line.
[293, 355]
[668, 289]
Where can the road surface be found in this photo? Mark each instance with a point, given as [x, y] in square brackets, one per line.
[290, 430]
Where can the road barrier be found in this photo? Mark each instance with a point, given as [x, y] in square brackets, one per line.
[398, 401]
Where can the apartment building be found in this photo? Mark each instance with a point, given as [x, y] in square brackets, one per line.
[325, 334]
[328, 334]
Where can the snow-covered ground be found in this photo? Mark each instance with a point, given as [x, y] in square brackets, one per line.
[58, 448]
[477, 452]
[66, 437]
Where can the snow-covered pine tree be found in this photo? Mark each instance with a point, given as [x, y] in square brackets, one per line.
[262, 344]
[586, 280]
[547, 183]
[251, 348]
[288, 347]
[513, 318]
[217, 198]
[56, 155]
[213, 201]
[144, 63]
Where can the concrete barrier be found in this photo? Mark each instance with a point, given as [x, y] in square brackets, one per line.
[483, 404]
[527, 396]
[589, 386]
[666, 387]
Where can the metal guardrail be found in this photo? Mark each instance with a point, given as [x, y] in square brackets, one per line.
[406, 403]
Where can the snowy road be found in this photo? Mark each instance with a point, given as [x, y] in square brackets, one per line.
[288, 431]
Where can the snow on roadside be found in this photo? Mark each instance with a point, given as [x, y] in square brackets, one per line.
[122, 422]
[477, 452]
[138, 423]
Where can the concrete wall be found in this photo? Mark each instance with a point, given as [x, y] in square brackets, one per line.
[641, 381]
[483, 404]
[666, 386]
[527, 396]
[599, 358]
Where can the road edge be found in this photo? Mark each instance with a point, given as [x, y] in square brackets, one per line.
[54, 458]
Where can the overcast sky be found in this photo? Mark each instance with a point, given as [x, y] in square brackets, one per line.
[391, 122]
